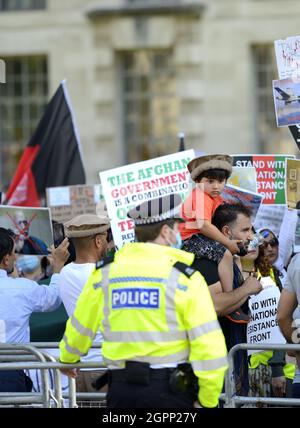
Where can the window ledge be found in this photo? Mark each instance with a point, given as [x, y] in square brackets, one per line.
[148, 8]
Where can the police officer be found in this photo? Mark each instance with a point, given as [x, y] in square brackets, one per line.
[158, 321]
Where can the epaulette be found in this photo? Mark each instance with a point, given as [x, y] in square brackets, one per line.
[183, 268]
[105, 261]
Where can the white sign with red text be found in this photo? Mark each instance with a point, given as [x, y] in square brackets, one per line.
[130, 185]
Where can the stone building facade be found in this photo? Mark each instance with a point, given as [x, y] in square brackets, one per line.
[140, 71]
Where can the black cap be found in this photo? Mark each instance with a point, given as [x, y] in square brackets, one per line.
[157, 210]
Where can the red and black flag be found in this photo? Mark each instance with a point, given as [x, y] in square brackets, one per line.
[52, 157]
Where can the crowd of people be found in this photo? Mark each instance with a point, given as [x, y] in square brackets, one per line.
[168, 307]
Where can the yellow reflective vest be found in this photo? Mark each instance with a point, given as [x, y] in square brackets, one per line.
[149, 311]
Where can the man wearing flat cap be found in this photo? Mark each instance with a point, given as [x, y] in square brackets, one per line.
[162, 342]
[89, 235]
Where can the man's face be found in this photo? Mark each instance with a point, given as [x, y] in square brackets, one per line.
[241, 229]
[21, 224]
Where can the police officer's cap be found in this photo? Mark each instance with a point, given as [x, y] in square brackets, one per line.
[157, 210]
[86, 225]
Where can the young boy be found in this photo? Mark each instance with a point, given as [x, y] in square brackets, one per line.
[201, 237]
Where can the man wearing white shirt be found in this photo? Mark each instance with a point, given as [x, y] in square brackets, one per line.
[19, 298]
[89, 236]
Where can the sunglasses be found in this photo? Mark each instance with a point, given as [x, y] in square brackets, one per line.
[273, 243]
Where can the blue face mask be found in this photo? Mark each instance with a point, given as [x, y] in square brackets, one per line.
[178, 244]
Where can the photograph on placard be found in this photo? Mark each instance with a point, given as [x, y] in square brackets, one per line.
[252, 200]
[30, 228]
[286, 94]
[292, 185]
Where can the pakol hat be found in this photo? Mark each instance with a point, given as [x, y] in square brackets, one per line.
[204, 163]
[157, 210]
[86, 225]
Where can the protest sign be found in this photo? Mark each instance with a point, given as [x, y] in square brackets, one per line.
[69, 201]
[233, 194]
[31, 228]
[287, 53]
[286, 94]
[263, 326]
[130, 185]
[293, 183]
[270, 175]
[245, 178]
[269, 217]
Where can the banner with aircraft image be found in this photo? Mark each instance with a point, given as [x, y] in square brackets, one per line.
[286, 94]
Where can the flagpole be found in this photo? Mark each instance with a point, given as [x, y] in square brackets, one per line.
[181, 137]
[76, 130]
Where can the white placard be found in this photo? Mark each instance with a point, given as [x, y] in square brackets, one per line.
[59, 196]
[287, 53]
[263, 326]
[130, 185]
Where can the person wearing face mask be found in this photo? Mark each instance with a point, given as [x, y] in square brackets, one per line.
[163, 345]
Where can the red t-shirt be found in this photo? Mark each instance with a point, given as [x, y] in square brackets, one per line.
[198, 206]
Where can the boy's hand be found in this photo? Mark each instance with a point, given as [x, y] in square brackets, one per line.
[233, 246]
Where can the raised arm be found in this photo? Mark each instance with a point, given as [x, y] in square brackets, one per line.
[286, 238]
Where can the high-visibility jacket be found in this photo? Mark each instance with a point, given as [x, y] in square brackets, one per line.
[150, 311]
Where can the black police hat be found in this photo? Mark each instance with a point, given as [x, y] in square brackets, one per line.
[157, 210]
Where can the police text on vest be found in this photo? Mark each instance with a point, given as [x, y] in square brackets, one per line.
[135, 298]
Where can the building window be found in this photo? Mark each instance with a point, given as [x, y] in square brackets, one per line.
[8, 5]
[22, 101]
[270, 138]
[150, 105]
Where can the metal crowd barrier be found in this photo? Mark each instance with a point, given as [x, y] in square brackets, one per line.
[232, 400]
[73, 396]
[33, 356]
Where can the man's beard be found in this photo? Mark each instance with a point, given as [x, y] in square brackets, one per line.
[10, 270]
